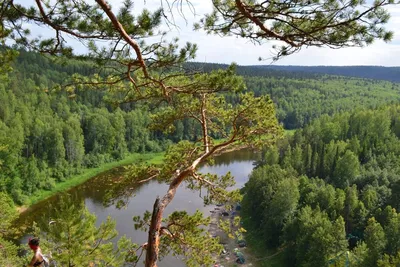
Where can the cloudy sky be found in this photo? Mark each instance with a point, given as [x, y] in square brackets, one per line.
[213, 48]
[228, 49]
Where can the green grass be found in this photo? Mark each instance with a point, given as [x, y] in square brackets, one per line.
[153, 158]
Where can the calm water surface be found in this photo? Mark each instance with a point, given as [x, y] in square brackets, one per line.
[239, 163]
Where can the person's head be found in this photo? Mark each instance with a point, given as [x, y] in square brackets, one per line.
[33, 243]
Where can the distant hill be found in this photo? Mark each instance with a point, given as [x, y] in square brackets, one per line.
[259, 71]
[301, 96]
[391, 74]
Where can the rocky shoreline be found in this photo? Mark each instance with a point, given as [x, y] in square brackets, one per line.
[227, 258]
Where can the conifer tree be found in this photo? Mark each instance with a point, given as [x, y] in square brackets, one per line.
[72, 238]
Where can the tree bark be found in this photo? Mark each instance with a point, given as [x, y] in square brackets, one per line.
[154, 235]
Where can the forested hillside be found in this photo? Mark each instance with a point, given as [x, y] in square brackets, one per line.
[302, 96]
[329, 194]
[391, 74]
[45, 136]
[48, 134]
[300, 100]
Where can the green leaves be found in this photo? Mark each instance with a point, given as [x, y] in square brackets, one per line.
[187, 235]
[270, 199]
[200, 99]
[9, 253]
[6, 57]
[73, 238]
[347, 169]
[316, 238]
[375, 240]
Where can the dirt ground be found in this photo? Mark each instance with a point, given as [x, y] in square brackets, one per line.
[229, 259]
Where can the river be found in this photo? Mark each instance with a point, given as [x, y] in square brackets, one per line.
[239, 163]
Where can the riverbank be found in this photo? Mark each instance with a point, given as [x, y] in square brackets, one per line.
[92, 193]
[151, 158]
[255, 252]
[231, 247]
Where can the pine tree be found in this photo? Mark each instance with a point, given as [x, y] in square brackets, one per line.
[71, 236]
[376, 241]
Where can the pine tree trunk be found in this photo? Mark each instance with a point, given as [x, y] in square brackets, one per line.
[153, 241]
[154, 235]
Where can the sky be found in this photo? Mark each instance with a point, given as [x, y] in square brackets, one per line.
[216, 49]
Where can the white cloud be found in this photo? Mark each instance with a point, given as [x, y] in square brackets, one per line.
[213, 48]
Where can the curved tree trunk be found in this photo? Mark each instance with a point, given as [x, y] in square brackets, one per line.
[154, 235]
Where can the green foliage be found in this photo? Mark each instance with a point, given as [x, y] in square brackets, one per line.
[187, 235]
[73, 238]
[375, 240]
[346, 170]
[392, 230]
[300, 98]
[9, 253]
[353, 159]
[7, 212]
[47, 138]
[270, 198]
[389, 261]
[316, 238]
[8, 250]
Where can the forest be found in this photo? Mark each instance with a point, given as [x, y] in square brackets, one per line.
[336, 177]
[52, 134]
[301, 96]
[329, 194]
[369, 72]
[123, 86]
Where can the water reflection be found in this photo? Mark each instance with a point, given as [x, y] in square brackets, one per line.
[239, 163]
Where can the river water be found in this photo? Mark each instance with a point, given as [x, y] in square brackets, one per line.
[239, 163]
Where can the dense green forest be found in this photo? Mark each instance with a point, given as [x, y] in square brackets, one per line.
[299, 101]
[329, 194]
[301, 96]
[51, 134]
[48, 136]
[391, 74]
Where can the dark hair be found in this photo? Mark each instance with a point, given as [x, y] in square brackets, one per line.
[34, 241]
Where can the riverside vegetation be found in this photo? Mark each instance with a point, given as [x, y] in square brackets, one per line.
[329, 194]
